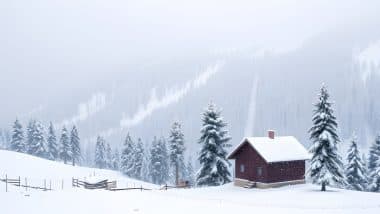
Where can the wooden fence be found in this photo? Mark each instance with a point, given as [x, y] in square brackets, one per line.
[17, 182]
[104, 184]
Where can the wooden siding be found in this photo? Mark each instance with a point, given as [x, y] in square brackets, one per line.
[251, 160]
[271, 172]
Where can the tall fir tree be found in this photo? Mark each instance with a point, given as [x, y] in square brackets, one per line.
[159, 168]
[75, 146]
[65, 151]
[326, 164]
[100, 153]
[176, 150]
[38, 143]
[17, 142]
[30, 135]
[127, 156]
[108, 156]
[355, 172]
[214, 139]
[374, 185]
[145, 169]
[52, 146]
[190, 171]
[374, 166]
[138, 159]
[116, 160]
[374, 155]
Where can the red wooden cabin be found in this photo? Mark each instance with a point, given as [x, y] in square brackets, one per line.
[271, 161]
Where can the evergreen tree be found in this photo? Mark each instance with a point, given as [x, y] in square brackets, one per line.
[52, 145]
[375, 180]
[214, 139]
[127, 156]
[355, 170]
[326, 165]
[116, 160]
[138, 159]
[75, 145]
[159, 168]
[100, 153]
[374, 155]
[374, 166]
[65, 151]
[190, 171]
[30, 135]
[108, 156]
[365, 168]
[17, 143]
[145, 169]
[37, 146]
[177, 149]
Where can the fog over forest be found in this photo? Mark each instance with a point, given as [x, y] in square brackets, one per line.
[113, 67]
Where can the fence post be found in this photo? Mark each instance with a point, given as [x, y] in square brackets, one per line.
[26, 185]
[44, 184]
[50, 185]
[141, 188]
[62, 184]
[6, 183]
[19, 181]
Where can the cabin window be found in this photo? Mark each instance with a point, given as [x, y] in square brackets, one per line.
[259, 171]
[242, 168]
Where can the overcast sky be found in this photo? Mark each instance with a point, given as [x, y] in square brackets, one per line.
[89, 35]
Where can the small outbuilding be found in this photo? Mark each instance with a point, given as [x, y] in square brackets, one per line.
[265, 162]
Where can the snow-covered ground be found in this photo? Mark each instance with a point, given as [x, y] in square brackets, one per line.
[226, 199]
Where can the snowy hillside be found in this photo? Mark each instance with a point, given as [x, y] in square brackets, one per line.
[224, 199]
[36, 170]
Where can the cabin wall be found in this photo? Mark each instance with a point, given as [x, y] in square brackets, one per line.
[251, 160]
[286, 171]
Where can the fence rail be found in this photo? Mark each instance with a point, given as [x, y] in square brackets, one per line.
[17, 182]
[104, 184]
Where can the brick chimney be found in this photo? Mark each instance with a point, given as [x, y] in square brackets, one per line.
[271, 134]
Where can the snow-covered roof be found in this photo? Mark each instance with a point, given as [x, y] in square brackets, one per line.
[286, 148]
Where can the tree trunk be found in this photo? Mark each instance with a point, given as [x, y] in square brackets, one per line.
[323, 187]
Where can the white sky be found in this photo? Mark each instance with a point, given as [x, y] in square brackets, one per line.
[49, 35]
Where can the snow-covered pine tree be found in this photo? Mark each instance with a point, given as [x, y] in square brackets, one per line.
[159, 168]
[65, 151]
[365, 168]
[154, 166]
[374, 155]
[176, 151]
[38, 145]
[375, 180]
[75, 145]
[100, 153]
[190, 171]
[17, 143]
[214, 139]
[116, 160]
[127, 155]
[145, 169]
[30, 135]
[326, 165]
[52, 146]
[108, 156]
[138, 159]
[355, 176]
